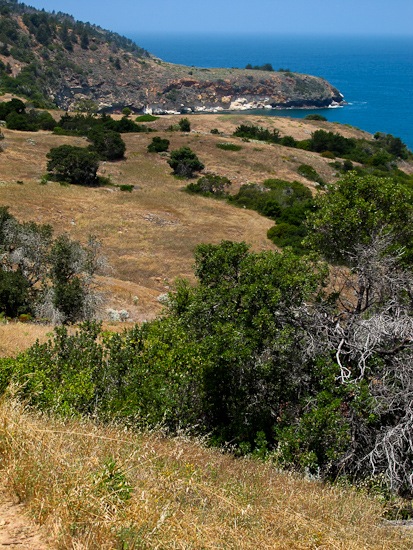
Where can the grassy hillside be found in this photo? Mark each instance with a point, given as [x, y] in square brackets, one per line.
[149, 235]
[106, 488]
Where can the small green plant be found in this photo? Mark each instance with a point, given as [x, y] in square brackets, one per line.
[44, 180]
[215, 131]
[173, 128]
[125, 187]
[111, 480]
[229, 146]
[328, 155]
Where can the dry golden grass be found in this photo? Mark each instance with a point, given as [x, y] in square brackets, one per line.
[148, 235]
[16, 337]
[161, 492]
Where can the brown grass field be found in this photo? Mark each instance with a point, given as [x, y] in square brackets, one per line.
[94, 487]
[149, 235]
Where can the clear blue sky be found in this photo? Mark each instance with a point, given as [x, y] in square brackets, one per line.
[362, 17]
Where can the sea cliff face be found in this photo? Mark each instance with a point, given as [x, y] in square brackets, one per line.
[75, 62]
[160, 88]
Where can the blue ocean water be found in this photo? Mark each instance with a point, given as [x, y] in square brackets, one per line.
[375, 74]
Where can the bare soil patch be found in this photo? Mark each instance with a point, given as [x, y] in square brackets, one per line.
[17, 531]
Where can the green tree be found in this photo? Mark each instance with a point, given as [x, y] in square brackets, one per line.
[355, 211]
[242, 313]
[84, 40]
[71, 272]
[108, 144]
[184, 162]
[73, 164]
[14, 295]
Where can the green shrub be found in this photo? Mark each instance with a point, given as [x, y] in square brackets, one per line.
[146, 118]
[184, 162]
[210, 184]
[127, 188]
[229, 146]
[285, 234]
[288, 141]
[248, 131]
[320, 118]
[184, 125]
[310, 173]
[158, 145]
[14, 293]
[328, 155]
[264, 67]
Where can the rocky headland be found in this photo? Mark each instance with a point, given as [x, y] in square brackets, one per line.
[54, 57]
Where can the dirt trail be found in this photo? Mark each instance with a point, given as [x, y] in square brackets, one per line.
[17, 532]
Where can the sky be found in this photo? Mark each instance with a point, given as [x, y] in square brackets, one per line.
[319, 17]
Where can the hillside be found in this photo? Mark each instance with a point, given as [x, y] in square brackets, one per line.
[149, 235]
[101, 487]
[53, 58]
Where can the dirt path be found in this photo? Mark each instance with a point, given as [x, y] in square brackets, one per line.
[17, 532]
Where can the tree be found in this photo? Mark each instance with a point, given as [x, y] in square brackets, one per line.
[184, 162]
[73, 164]
[84, 40]
[242, 314]
[126, 111]
[14, 296]
[355, 211]
[366, 327]
[108, 144]
[184, 125]
[50, 277]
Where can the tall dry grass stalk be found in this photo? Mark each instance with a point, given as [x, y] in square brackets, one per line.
[96, 487]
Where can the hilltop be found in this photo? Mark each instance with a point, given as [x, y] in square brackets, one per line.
[52, 58]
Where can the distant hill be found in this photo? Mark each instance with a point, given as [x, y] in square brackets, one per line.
[53, 59]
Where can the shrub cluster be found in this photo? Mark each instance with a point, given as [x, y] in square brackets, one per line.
[287, 203]
[210, 185]
[248, 131]
[44, 276]
[18, 118]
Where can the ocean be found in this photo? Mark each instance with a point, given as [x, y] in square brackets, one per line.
[375, 74]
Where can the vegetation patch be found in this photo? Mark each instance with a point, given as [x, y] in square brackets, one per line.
[229, 146]
[146, 118]
[210, 185]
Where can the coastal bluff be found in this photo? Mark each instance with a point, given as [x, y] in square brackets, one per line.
[51, 57]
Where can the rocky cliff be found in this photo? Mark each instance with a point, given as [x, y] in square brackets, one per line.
[54, 57]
